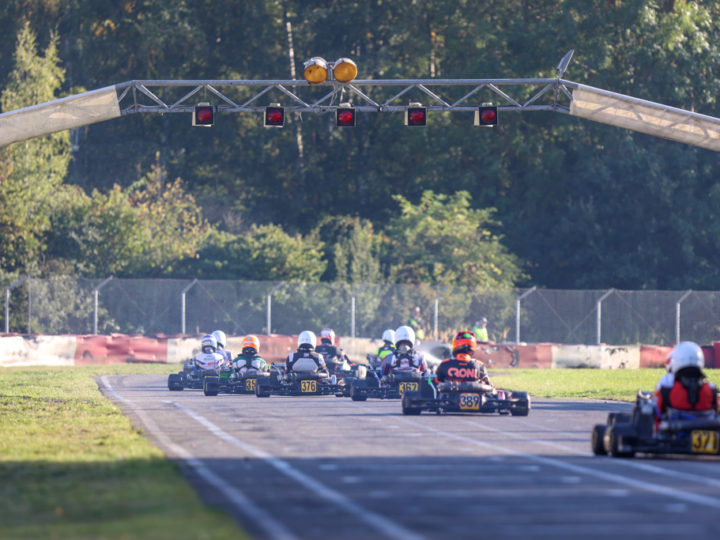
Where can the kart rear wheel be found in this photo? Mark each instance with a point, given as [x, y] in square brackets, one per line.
[598, 446]
[174, 382]
[408, 405]
[261, 390]
[210, 386]
[522, 408]
[612, 438]
[357, 393]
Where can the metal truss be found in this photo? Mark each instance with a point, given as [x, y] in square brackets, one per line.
[382, 95]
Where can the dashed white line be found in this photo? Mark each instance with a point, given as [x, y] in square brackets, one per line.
[265, 521]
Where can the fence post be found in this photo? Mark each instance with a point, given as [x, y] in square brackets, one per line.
[29, 305]
[517, 312]
[599, 314]
[182, 305]
[436, 311]
[7, 302]
[96, 291]
[677, 315]
[269, 308]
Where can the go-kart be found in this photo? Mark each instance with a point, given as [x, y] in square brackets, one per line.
[191, 377]
[368, 382]
[465, 397]
[678, 432]
[228, 382]
[302, 383]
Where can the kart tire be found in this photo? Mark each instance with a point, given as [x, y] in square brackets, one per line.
[174, 382]
[611, 441]
[357, 393]
[618, 418]
[522, 408]
[596, 441]
[408, 405]
[426, 391]
[261, 389]
[210, 386]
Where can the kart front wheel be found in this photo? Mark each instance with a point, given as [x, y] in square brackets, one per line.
[174, 382]
[210, 386]
[612, 439]
[357, 394]
[522, 407]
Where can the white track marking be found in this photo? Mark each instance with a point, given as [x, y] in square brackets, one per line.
[377, 521]
[265, 521]
[666, 491]
[624, 462]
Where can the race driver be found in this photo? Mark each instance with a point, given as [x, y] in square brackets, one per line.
[461, 367]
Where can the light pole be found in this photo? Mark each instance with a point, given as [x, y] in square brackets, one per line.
[517, 312]
[95, 292]
[183, 293]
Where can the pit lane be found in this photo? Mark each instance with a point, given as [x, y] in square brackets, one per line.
[294, 467]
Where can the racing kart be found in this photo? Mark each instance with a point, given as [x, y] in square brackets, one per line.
[465, 397]
[368, 382]
[311, 383]
[190, 377]
[678, 432]
[226, 382]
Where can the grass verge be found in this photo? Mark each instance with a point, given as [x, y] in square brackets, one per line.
[72, 466]
[617, 384]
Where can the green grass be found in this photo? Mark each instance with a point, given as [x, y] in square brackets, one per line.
[617, 384]
[72, 466]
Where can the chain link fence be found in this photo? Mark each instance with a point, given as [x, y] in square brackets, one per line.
[65, 305]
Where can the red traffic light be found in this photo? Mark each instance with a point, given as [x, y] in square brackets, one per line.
[416, 116]
[486, 115]
[274, 116]
[203, 115]
[345, 117]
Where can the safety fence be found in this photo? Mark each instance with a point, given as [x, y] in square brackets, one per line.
[65, 305]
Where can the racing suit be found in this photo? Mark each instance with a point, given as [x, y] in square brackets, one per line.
[208, 360]
[383, 353]
[227, 357]
[409, 360]
[335, 360]
[305, 360]
[249, 364]
[461, 368]
[690, 392]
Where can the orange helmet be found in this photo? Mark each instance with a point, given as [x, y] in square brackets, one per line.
[464, 342]
[250, 342]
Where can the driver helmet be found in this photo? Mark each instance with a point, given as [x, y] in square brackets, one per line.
[327, 335]
[250, 344]
[219, 336]
[208, 343]
[464, 342]
[307, 340]
[389, 336]
[686, 354]
[405, 335]
[481, 320]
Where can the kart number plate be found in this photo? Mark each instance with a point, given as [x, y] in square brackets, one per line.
[408, 387]
[705, 442]
[469, 402]
[250, 385]
[308, 386]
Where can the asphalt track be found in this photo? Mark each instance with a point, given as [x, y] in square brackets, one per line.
[327, 467]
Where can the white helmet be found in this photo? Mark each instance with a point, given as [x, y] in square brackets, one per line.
[686, 354]
[219, 336]
[208, 341]
[405, 333]
[307, 337]
[389, 336]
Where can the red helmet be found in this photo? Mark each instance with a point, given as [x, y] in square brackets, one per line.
[464, 342]
[327, 333]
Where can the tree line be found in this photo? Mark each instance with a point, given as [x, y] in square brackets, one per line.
[543, 199]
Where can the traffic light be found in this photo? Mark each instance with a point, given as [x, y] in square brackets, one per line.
[203, 115]
[274, 116]
[415, 115]
[486, 115]
[344, 70]
[345, 115]
[316, 70]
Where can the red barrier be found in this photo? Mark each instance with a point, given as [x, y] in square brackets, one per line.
[275, 348]
[521, 356]
[653, 356]
[119, 348]
[709, 354]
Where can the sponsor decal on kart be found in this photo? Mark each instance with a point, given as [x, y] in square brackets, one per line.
[250, 385]
[408, 387]
[308, 386]
[704, 442]
[469, 402]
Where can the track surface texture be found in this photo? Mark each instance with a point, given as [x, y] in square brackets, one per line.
[327, 467]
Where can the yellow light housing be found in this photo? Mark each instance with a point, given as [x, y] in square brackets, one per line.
[316, 70]
[344, 70]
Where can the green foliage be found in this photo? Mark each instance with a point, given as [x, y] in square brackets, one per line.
[442, 240]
